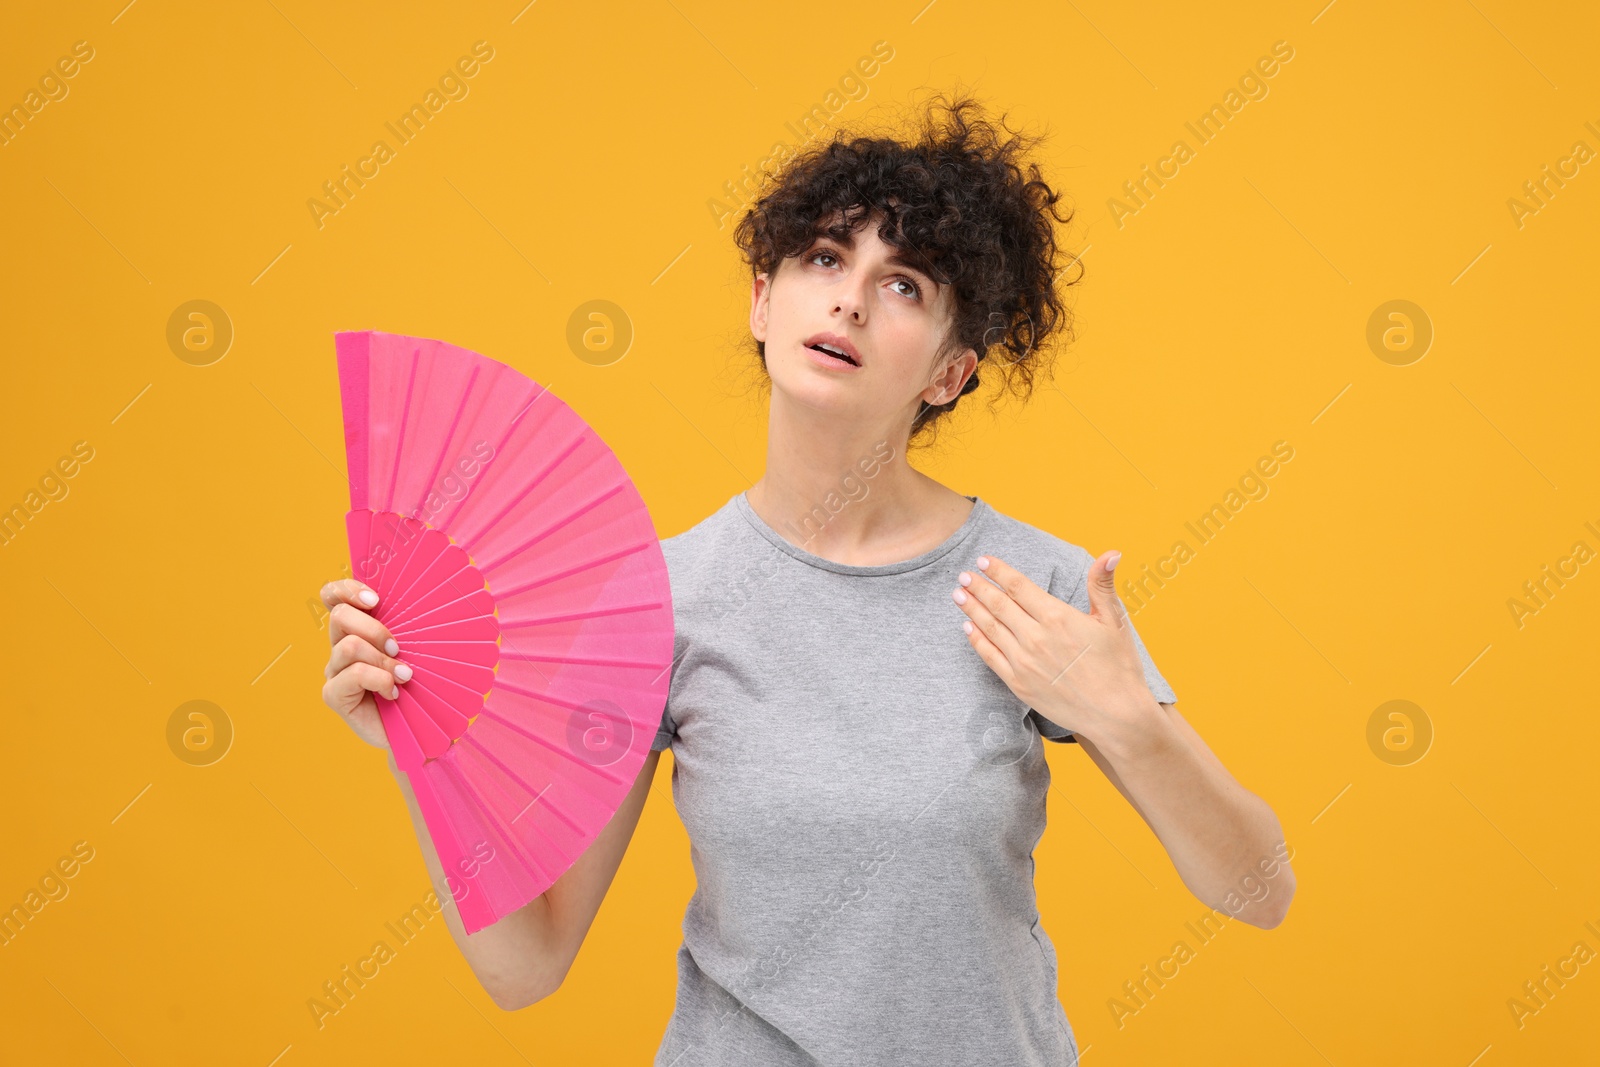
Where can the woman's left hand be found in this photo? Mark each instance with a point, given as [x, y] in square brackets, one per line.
[1079, 670]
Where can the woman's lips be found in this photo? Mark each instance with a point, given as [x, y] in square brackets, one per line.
[823, 359]
[838, 343]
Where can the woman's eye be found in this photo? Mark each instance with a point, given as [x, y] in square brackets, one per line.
[915, 291]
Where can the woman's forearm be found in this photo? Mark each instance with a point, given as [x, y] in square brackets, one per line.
[517, 960]
[1225, 841]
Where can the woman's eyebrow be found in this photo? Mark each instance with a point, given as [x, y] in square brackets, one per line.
[900, 260]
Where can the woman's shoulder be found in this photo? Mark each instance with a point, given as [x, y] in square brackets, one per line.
[702, 530]
[1037, 552]
[722, 535]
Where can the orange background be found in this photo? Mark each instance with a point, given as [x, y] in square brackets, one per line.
[1227, 313]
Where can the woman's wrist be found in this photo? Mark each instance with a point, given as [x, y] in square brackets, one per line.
[1133, 731]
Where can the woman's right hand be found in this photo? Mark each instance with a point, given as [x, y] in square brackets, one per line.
[362, 661]
[523, 957]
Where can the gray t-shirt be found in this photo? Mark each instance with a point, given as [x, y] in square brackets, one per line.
[862, 796]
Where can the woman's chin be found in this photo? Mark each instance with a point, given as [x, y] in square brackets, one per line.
[817, 394]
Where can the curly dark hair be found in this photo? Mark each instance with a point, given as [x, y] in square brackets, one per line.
[964, 199]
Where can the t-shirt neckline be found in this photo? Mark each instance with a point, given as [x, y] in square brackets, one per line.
[965, 531]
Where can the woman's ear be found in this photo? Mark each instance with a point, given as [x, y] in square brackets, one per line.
[949, 379]
[760, 293]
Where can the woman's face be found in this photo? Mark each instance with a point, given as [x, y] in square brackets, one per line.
[878, 305]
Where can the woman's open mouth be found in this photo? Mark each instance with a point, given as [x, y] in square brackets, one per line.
[834, 350]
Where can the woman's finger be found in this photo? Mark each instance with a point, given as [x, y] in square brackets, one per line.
[345, 690]
[1000, 604]
[349, 591]
[348, 612]
[981, 617]
[346, 619]
[353, 648]
[1026, 593]
[987, 651]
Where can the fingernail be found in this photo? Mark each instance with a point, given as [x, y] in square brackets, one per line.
[960, 595]
[983, 563]
[367, 597]
[402, 671]
[394, 692]
[1111, 564]
[966, 625]
[964, 578]
[392, 647]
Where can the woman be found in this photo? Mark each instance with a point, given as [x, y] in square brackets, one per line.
[866, 658]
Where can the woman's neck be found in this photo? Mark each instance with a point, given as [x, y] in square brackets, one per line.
[846, 492]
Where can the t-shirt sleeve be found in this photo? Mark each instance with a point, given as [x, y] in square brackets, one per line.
[668, 728]
[666, 731]
[1070, 582]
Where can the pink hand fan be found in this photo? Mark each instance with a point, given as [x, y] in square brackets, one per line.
[520, 573]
